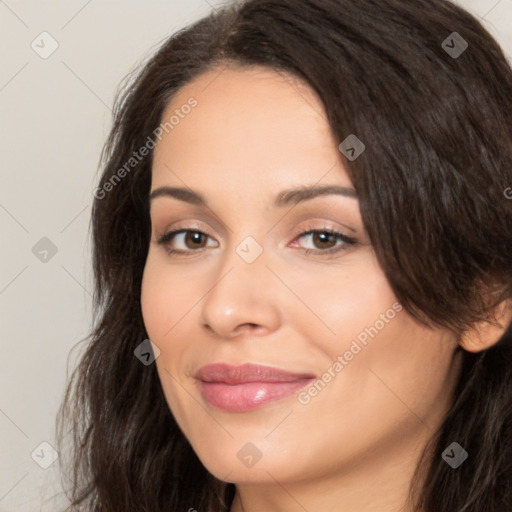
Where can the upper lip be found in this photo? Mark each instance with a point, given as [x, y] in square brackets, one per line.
[229, 374]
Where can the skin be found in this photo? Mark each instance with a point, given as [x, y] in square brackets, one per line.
[355, 445]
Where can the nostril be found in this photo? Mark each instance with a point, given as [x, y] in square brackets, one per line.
[249, 326]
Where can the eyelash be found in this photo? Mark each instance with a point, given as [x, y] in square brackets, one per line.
[166, 238]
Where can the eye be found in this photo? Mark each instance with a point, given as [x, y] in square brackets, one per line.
[324, 241]
[184, 241]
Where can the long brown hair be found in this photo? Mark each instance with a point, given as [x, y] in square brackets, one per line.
[435, 118]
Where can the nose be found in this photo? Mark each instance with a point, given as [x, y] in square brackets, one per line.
[243, 299]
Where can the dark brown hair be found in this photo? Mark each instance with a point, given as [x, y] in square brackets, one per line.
[438, 158]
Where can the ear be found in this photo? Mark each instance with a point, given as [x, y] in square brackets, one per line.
[487, 333]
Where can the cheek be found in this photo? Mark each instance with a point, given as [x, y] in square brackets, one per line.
[166, 296]
[154, 303]
[392, 366]
[379, 346]
[164, 301]
[346, 301]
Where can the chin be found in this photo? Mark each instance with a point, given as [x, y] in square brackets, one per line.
[239, 461]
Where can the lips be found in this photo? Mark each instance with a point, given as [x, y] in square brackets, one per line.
[247, 387]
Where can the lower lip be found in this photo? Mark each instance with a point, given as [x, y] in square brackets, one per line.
[248, 396]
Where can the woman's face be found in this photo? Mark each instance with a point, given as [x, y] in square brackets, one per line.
[351, 381]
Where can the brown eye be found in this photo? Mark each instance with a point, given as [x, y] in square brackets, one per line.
[324, 239]
[185, 241]
[194, 239]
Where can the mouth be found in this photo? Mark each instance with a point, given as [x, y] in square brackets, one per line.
[247, 387]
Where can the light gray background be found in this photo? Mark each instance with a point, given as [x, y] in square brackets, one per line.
[55, 115]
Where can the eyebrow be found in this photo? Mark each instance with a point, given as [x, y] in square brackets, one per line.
[284, 198]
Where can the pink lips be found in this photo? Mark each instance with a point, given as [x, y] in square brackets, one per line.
[246, 387]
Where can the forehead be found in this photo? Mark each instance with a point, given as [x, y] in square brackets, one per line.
[250, 126]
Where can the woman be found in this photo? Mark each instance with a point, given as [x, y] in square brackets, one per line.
[303, 206]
